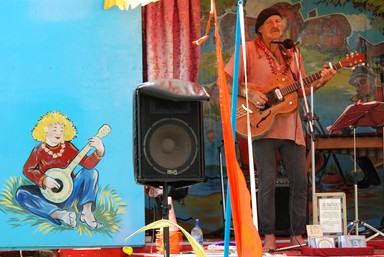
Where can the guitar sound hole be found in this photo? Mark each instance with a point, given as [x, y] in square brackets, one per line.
[58, 190]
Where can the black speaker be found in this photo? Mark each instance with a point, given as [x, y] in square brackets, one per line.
[168, 133]
[282, 222]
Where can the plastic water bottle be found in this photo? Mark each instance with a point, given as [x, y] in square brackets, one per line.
[197, 233]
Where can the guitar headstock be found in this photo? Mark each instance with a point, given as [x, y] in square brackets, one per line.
[353, 59]
[103, 131]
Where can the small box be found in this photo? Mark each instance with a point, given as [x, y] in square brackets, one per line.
[351, 241]
[321, 242]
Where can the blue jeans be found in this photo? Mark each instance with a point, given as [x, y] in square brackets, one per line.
[293, 160]
[85, 187]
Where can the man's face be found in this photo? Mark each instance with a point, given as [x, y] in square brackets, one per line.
[55, 134]
[362, 85]
[272, 28]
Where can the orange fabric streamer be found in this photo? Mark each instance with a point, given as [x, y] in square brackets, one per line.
[205, 37]
[247, 238]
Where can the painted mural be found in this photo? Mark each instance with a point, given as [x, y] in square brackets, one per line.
[328, 31]
[59, 196]
[69, 71]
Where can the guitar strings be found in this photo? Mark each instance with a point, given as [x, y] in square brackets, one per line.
[240, 112]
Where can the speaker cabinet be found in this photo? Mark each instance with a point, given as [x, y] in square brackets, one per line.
[282, 211]
[169, 145]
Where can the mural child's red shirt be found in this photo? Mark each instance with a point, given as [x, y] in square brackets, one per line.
[42, 159]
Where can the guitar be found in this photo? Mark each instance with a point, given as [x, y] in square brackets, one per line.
[63, 176]
[282, 100]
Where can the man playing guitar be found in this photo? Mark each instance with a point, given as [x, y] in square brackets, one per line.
[265, 60]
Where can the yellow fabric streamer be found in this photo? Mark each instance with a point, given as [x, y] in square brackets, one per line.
[124, 4]
[197, 248]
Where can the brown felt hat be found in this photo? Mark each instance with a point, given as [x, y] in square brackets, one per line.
[264, 15]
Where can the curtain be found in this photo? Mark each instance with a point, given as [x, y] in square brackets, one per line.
[170, 26]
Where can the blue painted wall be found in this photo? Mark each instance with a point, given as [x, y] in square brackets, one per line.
[77, 58]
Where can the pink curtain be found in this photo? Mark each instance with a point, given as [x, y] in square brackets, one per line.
[170, 26]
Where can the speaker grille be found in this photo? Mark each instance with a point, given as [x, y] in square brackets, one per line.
[168, 138]
[170, 146]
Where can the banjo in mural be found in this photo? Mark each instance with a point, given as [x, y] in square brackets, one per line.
[63, 176]
[282, 99]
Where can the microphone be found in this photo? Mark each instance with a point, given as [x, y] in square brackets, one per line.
[287, 43]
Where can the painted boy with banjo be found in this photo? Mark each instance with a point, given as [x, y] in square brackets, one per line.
[50, 167]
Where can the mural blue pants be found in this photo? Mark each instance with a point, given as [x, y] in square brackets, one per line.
[85, 186]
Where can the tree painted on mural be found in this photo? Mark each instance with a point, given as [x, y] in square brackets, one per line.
[374, 6]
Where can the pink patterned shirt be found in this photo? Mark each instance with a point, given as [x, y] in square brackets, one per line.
[261, 67]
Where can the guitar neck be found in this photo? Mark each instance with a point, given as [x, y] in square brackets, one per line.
[78, 158]
[307, 80]
[103, 131]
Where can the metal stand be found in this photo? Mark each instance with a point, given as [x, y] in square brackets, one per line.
[356, 222]
[223, 196]
[222, 179]
[359, 115]
[165, 214]
[319, 132]
[309, 115]
[286, 248]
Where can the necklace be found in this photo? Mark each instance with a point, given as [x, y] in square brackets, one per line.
[272, 59]
[274, 53]
[51, 153]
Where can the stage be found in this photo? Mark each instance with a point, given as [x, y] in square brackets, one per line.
[375, 247]
[149, 250]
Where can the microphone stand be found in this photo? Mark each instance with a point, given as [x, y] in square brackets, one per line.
[309, 117]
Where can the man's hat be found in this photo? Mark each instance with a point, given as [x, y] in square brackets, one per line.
[361, 71]
[264, 15]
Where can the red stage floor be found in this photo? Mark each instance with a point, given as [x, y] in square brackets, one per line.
[149, 250]
[376, 246]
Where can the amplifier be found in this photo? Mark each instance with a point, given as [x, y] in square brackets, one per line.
[281, 180]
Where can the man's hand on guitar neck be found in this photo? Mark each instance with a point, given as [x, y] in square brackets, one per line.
[326, 74]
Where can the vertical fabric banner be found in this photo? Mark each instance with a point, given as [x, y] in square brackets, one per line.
[247, 238]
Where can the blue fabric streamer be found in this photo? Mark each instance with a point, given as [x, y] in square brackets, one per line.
[235, 86]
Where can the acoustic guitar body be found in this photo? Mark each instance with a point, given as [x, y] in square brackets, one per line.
[261, 120]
